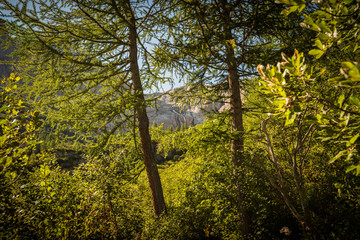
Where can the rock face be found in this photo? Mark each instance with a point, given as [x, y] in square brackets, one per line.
[169, 113]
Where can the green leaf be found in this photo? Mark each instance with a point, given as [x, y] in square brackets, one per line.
[354, 74]
[301, 7]
[341, 100]
[353, 139]
[324, 27]
[344, 10]
[290, 117]
[319, 44]
[13, 175]
[292, 9]
[45, 170]
[348, 65]
[356, 47]
[355, 101]
[339, 155]
[20, 103]
[318, 53]
[321, 120]
[354, 168]
[308, 20]
[8, 161]
[2, 139]
[323, 36]
[14, 112]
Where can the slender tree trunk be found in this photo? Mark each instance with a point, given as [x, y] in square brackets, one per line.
[237, 144]
[303, 217]
[157, 196]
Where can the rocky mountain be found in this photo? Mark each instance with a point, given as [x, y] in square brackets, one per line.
[171, 114]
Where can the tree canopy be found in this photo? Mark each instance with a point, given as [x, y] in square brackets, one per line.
[279, 161]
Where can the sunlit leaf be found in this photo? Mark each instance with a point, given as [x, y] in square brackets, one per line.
[354, 100]
[2, 139]
[337, 156]
[318, 53]
[353, 139]
[355, 168]
[319, 44]
[290, 117]
[341, 100]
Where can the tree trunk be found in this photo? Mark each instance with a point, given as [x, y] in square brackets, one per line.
[157, 196]
[305, 217]
[237, 143]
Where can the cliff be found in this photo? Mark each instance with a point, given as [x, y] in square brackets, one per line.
[171, 114]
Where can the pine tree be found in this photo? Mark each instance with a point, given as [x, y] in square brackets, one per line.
[81, 62]
[215, 45]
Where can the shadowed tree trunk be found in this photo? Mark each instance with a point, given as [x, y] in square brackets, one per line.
[157, 196]
[237, 126]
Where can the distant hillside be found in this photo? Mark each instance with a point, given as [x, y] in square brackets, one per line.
[170, 114]
[5, 69]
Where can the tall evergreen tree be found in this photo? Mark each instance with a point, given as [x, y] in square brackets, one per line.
[81, 59]
[215, 45]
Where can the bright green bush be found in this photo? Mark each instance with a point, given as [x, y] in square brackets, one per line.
[41, 201]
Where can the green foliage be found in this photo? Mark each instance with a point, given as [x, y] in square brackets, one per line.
[82, 77]
[310, 118]
[320, 98]
[106, 197]
[18, 125]
[336, 26]
[53, 204]
[200, 188]
[85, 69]
[41, 201]
[288, 86]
